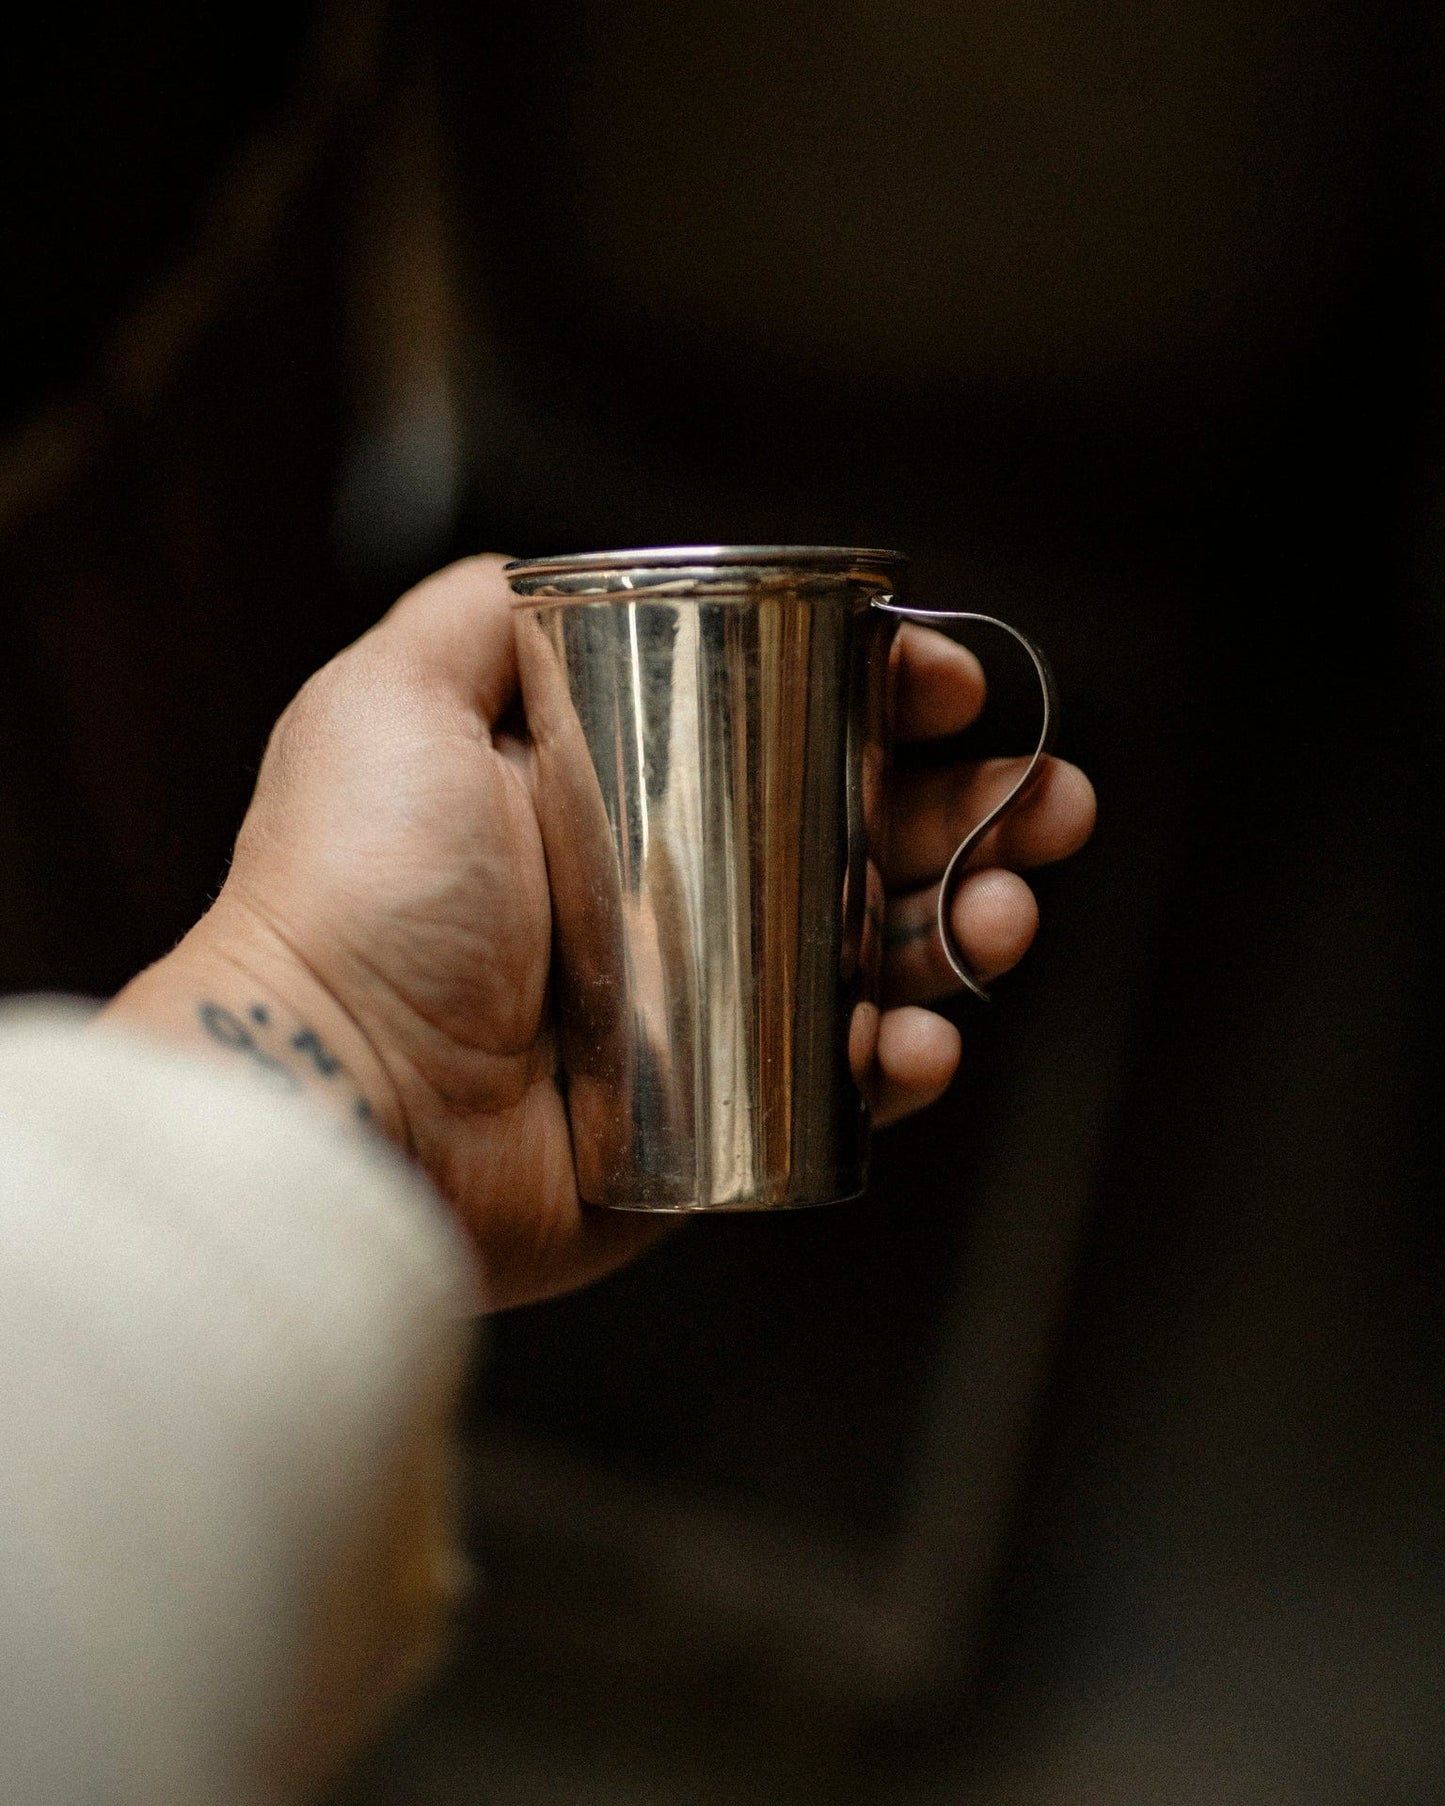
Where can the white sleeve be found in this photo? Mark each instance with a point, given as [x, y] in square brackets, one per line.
[229, 1336]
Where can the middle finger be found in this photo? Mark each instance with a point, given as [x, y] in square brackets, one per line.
[931, 810]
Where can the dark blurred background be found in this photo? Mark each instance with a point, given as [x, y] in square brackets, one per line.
[1096, 1457]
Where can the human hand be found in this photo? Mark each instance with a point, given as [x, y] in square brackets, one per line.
[387, 917]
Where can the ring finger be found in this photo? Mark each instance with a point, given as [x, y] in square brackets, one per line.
[994, 919]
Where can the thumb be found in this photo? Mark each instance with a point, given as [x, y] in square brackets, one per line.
[454, 630]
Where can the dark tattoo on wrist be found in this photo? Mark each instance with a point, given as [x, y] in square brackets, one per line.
[227, 1027]
[286, 1060]
[306, 1041]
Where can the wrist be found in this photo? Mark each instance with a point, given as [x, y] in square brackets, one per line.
[234, 991]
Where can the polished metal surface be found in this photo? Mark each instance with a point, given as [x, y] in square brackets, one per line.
[710, 733]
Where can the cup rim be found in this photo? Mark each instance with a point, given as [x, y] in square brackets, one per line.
[652, 558]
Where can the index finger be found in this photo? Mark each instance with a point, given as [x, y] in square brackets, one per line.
[941, 686]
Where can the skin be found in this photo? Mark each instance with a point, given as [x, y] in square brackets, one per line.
[383, 937]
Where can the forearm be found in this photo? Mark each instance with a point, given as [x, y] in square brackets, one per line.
[230, 1339]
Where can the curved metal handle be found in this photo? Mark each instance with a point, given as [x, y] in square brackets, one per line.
[953, 872]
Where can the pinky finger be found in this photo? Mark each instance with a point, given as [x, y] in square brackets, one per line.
[917, 1057]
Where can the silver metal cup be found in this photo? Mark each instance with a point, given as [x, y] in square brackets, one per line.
[711, 733]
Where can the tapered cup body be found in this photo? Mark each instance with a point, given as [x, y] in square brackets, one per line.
[710, 732]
